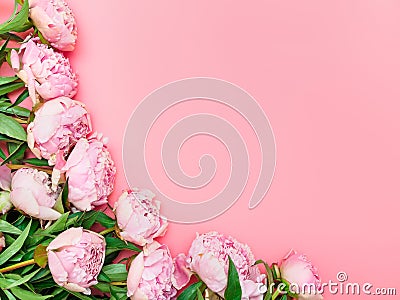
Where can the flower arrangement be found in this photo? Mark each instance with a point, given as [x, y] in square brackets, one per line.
[59, 236]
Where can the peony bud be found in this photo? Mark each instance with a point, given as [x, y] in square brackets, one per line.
[76, 257]
[138, 217]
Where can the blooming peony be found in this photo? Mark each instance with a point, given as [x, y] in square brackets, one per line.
[55, 21]
[149, 276]
[209, 258]
[5, 187]
[299, 272]
[138, 217]
[45, 72]
[57, 126]
[90, 172]
[32, 194]
[76, 257]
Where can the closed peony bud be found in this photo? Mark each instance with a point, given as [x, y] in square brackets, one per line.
[76, 257]
[301, 274]
[149, 276]
[57, 126]
[44, 71]
[90, 172]
[55, 21]
[209, 258]
[32, 194]
[138, 217]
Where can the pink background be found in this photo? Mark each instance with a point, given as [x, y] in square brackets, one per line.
[326, 74]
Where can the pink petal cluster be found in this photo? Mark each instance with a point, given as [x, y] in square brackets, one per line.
[57, 126]
[298, 270]
[76, 257]
[55, 21]
[138, 217]
[149, 276]
[209, 258]
[32, 194]
[5, 187]
[45, 72]
[2, 242]
[91, 173]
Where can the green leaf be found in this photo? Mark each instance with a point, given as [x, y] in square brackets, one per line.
[12, 37]
[36, 162]
[103, 277]
[18, 22]
[233, 290]
[2, 155]
[58, 226]
[40, 256]
[5, 80]
[25, 294]
[199, 295]
[17, 153]
[24, 279]
[11, 128]
[21, 97]
[6, 227]
[14, 110]
[118, 293]
[78, 295]
[115, 272]
[115, 244]
[105, 220]
[4, 47]
[190, 293]
[16, 246]
[10, 87]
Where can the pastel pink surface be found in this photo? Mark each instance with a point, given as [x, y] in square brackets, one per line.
[325, 73]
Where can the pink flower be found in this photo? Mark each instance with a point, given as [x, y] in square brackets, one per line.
[45, 72]
[55, 21]
[138, 217]
[2, 241]
[208, 257]
[57, 126]
[5, 187]
[32, 194]
[76, 257]
[149, 276]
[91, 173]
[298, 270]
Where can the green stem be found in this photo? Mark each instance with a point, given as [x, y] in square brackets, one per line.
[276, 294]
[108, 230]
[17, 266]
[118, 283]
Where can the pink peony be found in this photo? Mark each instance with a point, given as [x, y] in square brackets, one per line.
[55, 21]
[32, 194]
[300, 273]
[57, 126]
[149, 276]
[5, 187]
[138, 217]
[76, 257]
[208, 257]
[2, 241]
[44, 71]
[90, 172]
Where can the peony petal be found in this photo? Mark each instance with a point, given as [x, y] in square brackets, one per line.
[181, 273]
[24, 200]
[69, 237]
[60, 276]
[135, 274]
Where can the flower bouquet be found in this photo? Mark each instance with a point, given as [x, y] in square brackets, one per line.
[59, 236]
